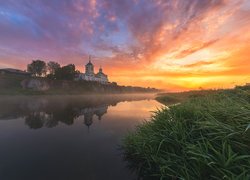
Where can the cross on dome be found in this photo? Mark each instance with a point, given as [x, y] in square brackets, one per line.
[89, 58]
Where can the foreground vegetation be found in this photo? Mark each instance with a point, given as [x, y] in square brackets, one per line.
[205, 137]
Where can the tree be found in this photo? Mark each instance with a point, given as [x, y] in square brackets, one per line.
[52, 67]
[66, 72]
[37, 68]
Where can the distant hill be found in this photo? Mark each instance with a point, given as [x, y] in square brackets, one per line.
[16, 84]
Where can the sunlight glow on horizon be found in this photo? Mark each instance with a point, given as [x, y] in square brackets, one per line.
[173, 45]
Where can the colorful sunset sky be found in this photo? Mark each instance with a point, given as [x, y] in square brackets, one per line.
[169, 44]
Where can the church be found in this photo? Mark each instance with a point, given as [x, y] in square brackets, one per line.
[90, 75]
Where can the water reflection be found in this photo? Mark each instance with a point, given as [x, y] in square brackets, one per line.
[67, 115]
[69, 137]
[48, 111]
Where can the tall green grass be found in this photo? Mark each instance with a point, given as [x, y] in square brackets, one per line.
[202, 138]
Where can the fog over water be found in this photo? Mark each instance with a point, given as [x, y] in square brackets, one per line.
[68, 137]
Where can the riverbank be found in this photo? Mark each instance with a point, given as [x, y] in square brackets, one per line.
[21, 85]
[179, 97]
[206, 136]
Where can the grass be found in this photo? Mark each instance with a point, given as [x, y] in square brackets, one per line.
[173, 98]
[204, 137]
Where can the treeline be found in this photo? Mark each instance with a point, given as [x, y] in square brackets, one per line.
[52, 70]
[52, 78]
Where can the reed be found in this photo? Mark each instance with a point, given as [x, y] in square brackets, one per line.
[204, 137]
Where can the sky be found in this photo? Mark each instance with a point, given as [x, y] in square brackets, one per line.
[173, 45]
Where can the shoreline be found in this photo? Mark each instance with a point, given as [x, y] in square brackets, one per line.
[19, 85]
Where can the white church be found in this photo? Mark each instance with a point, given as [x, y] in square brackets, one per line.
[90, 75]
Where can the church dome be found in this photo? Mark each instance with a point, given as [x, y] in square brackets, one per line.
[89, 64]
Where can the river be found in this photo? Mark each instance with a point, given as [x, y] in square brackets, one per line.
[68, 137]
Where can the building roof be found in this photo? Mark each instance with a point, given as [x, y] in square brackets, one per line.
[17, 71]
[99, 74]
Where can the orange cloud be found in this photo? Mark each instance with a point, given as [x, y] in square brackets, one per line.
[194, 49]
[173, 45]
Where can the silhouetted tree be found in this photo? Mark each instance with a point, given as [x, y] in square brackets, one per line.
[52, 67]
[66, 72]
[37, 68]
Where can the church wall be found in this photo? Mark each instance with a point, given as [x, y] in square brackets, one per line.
[85, 77]
[89, 75]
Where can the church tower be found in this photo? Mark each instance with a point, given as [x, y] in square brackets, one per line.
[100, 69]
[90, 75]
[89, 68]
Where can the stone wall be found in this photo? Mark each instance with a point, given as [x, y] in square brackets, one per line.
[35, 84]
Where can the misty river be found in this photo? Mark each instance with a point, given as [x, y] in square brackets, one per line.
[68, 137]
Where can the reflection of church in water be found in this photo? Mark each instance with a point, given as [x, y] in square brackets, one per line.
[89, 113]
[45, 118]
[51, 112]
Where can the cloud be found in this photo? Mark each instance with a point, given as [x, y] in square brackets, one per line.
[194, 49]
[198, 64]
[128, 35]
